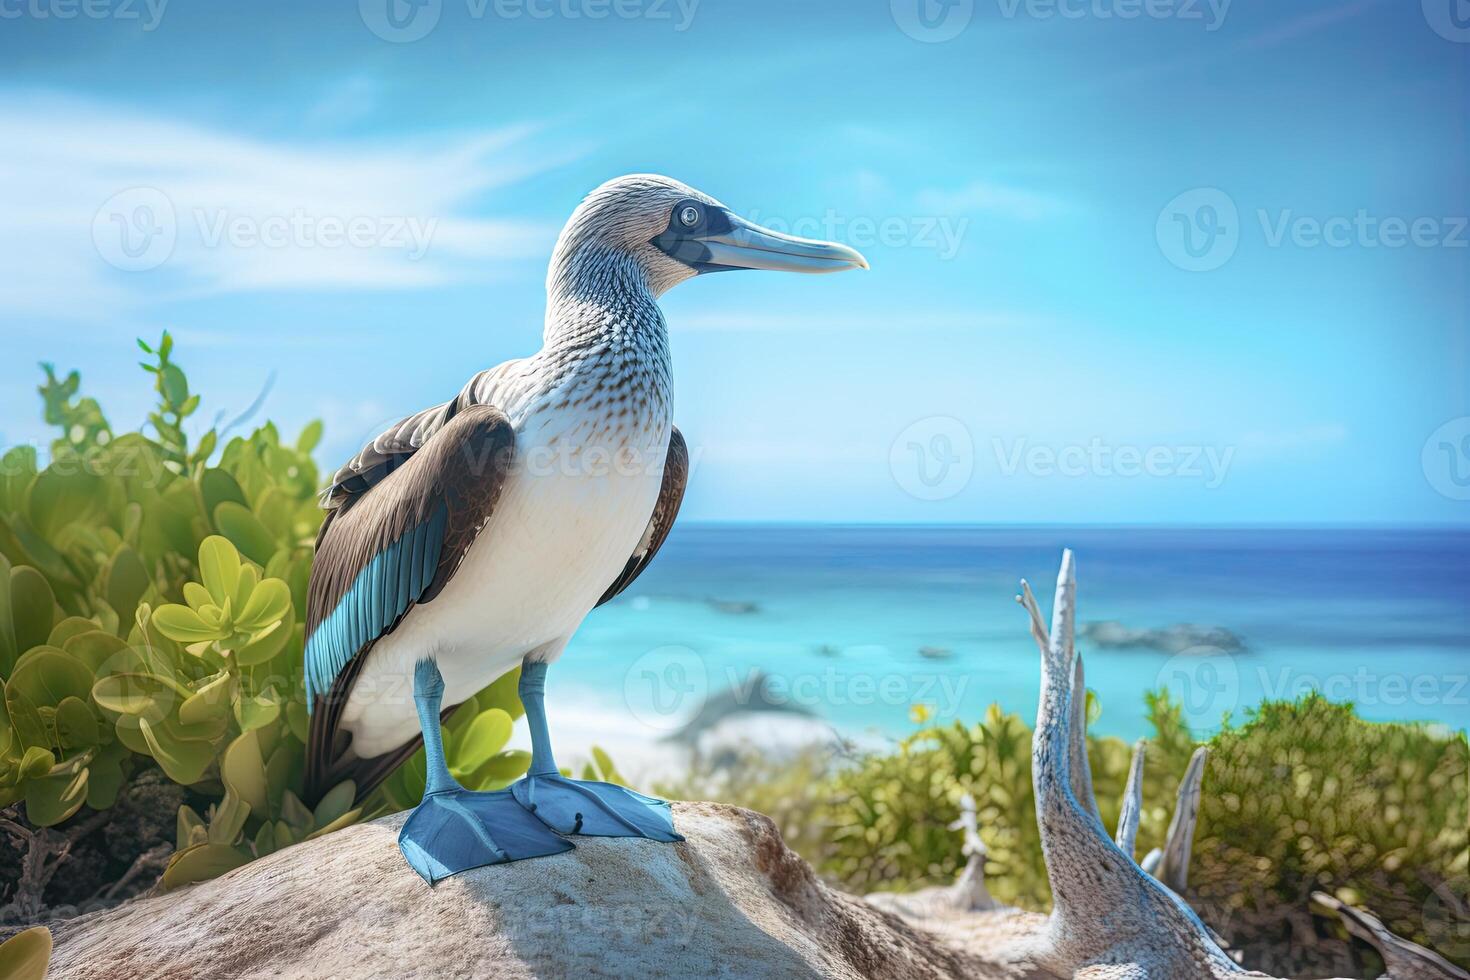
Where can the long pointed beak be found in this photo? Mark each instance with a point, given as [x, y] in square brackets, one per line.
[749, 246]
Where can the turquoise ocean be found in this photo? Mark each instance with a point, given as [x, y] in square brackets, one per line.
[856, 624]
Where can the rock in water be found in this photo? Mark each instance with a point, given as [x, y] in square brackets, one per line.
[731, 901]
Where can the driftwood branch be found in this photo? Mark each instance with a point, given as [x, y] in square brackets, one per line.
[1403, 959]
[1170, 864]
[1110, 919]
[1127, 835]
[43, 851]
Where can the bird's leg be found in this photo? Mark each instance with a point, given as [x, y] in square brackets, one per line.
[454, 829]
[428, 695]
[576, 806]
[532, 689]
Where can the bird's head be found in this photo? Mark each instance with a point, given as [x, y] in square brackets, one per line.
[674, 232]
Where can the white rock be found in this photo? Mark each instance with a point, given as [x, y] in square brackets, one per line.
[731, 901]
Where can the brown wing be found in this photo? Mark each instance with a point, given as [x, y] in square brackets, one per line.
[670, 496]
[390, 546]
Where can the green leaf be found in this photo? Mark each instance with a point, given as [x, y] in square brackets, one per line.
[183, 760]
[605, 767]
[202, 862]
[219, 568]
[296, 815]
[59, 498]
[25, 955]
[175, 386]
[138, 694]
[98, 650]
[337, 801]
[36, 762]
[47, 674]
[242, 770]
[228, 819]
[309, 438]
[33, 607]
[264, 645]
[257, 712]
[244, 529]
[125, 580]
[69, 627]
[8, 649]
[17, 470]
[297, 720]
[268, 605]
[76, 725]
[189, 829]
[249, 579]
[265, 839]
[273, 509]
[106, 776]
[207, 443]
[502, 695]
[345, 820]
[500, 769]
[211, 699]
[217, 486]
[484, 737]
[26, 720]
[184, 625]
[51, 799]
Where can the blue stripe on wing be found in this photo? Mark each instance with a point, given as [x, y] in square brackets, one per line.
[393, 580]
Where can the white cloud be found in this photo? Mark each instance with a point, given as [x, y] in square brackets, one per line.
[242, 213]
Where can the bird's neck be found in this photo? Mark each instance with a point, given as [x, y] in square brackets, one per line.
[602, 301]
[604, 327]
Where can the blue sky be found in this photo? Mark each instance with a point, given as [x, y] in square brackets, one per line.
[1100, 287]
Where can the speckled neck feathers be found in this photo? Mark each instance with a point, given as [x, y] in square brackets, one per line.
[605, 344]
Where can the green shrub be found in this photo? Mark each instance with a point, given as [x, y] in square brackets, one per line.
[1302, 796]
[152, 606]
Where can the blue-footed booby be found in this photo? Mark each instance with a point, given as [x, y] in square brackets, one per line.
[477, 535]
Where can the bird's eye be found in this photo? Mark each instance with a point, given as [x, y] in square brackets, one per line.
[689, 216]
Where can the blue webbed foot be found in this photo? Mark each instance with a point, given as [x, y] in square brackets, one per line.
[575, 806]
[455, 830]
